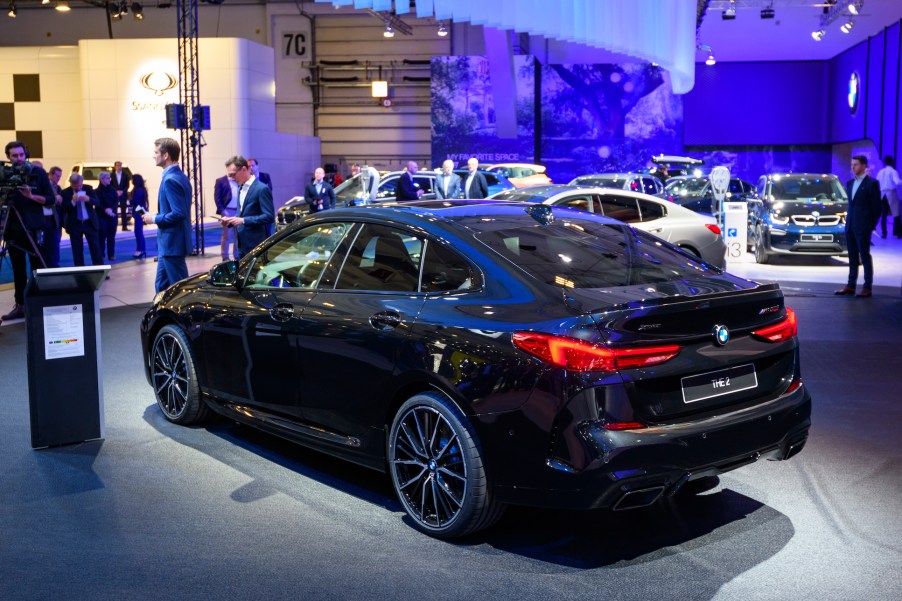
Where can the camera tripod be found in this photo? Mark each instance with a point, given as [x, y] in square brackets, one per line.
[7, 212]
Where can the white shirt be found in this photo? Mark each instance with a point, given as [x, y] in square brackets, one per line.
[855, 185]
[233, 203]
[242, 192]
[889, 179]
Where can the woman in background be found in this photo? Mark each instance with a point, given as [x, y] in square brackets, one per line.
[138, 201]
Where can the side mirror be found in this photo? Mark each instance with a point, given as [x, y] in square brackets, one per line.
[224, 274]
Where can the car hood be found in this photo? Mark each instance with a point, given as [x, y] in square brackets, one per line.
[806, 208]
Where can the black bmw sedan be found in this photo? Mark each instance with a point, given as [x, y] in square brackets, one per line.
[486, 353]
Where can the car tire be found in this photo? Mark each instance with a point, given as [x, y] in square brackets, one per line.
[761, 254]
[174, 378]
[438, 470]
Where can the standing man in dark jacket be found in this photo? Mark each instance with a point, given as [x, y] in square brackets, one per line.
[225, 195]
[475, 185]
[107, 209]
[318, 193]
[121, 181]
[865, 206]
[25, 222]
[407, 189]
[255, 208]
[80, 220]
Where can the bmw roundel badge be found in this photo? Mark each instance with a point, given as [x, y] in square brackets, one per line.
[721, 335]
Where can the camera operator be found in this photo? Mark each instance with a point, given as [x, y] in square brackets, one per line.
[24, 225]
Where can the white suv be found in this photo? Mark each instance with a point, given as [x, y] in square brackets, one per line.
[91, 171]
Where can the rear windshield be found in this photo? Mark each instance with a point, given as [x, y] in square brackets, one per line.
[687, 186]
[526, 195]
[611, 181]
[577, 253]
[808, 189]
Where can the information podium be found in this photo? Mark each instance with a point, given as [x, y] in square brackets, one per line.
[65, 390]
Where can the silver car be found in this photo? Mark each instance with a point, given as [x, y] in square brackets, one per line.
[698, 234]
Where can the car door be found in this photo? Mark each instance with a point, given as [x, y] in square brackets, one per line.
[623, 208]
[355, 328]
[253, 338]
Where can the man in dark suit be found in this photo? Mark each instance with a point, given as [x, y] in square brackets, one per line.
[407, 189]
[447, 184]
[80, 220]
[107, 207]
[318, 193]
[174, 219]
[475, 185]
[50, 249]
[121, 181]
[255, 207]
[24, 224]
[865, 206]
[264, 177]
[225, 195]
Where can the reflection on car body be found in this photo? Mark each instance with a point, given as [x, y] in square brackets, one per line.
[486, 355]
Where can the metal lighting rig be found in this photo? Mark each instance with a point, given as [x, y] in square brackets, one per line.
[189, 96]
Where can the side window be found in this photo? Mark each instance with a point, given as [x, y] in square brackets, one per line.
[297, 261]
[423, 183]
[444, 269]
[650, 210]
[625, 209]
[634, 184]
[583, 203]
[388, 188]
[382, 258]
[651, 185]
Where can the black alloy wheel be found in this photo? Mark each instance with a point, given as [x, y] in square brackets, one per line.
[437, 468]
[174, 378]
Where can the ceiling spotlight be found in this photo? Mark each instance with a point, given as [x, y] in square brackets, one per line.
[12, 11]
[729, 14]
[114, 11]
[137, 11]
[768, 13]
[710, 60]
[442, 30]
[847, 26]
[855, 7]
[62, 7]
[818, 35]
[45, 1]
[389, 32]
[123, 8]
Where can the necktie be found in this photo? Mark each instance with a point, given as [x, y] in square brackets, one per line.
[241, 194]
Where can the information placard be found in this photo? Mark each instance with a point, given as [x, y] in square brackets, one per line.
[64, 332]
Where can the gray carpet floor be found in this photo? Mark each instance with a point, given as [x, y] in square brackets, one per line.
[156, 511]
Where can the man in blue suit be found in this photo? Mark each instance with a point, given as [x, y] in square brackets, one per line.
[255, 208]
[174, 219]
[865, 207]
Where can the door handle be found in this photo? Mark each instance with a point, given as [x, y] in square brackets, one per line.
[282, 312]
[385, 320]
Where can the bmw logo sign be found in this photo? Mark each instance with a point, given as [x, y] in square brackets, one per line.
[721, 335]
[854, 87]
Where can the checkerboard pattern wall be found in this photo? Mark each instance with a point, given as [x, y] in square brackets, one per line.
[25, 87]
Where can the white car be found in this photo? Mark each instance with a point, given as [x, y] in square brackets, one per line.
[698, 234]
[91, 172]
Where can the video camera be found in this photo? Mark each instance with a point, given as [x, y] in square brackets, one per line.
[13, 177]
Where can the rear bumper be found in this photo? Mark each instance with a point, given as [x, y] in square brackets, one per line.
[636, 467]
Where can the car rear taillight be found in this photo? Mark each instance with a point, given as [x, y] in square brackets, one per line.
[794, 386]
[622, 425]
[713, 227]
[784, 330]
[577, 355]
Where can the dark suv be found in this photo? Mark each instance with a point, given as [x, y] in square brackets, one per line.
[798, 214]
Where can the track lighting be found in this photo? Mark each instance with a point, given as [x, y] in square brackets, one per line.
[710, 60]
[442, 30]
[389, 32]
[137, 11]
[818, 35]
[847, 26]
[63, 7]
[855, 7]
[729, 14]
[12, 11]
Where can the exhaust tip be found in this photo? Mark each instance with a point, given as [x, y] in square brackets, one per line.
[638, 498]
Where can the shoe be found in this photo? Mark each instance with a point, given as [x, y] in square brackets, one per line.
[865, 293]
[139, 255]
[18, 312]
[847, 291]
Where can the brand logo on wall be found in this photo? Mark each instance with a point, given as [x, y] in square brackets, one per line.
[854, 87]
[158, 82]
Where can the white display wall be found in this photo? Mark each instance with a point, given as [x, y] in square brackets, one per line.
[104, 101]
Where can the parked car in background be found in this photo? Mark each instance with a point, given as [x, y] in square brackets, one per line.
[521, 175]
[484, 354]
[679, 165]
[798, 214]
[354, 191]
[634, 182]
[696, 193]
[91, 172]
[697, 234]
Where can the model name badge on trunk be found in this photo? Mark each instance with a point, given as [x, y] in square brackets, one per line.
[718, 383]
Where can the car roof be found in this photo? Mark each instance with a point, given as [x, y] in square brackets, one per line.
[800, 175]
[612, 175]
[552, 190]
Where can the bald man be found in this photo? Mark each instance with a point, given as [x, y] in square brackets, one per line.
[407, 189]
